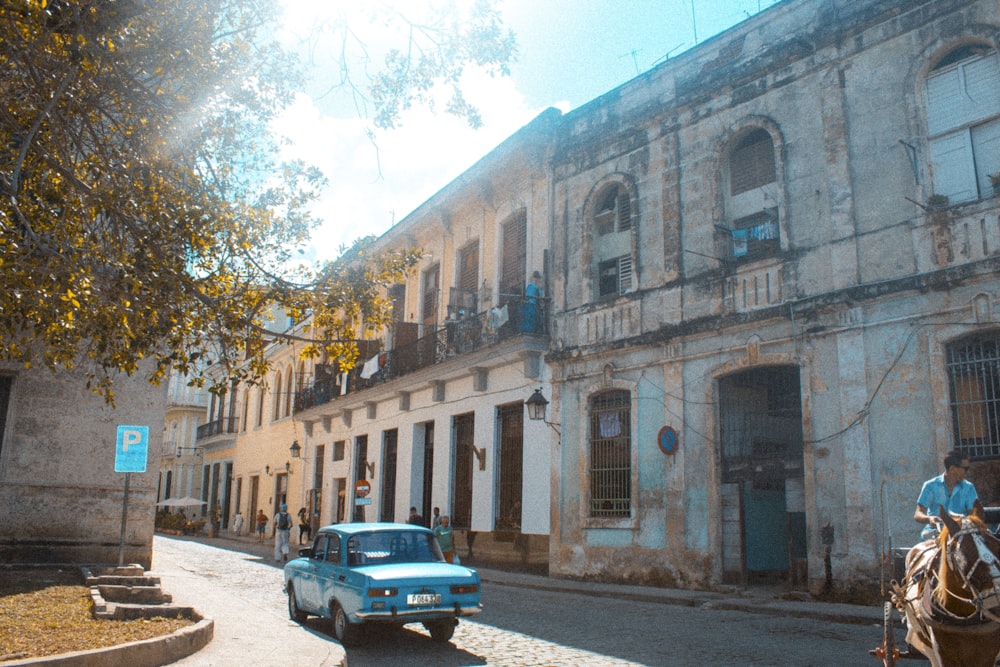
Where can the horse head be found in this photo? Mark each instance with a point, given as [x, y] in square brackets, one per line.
[969, 571]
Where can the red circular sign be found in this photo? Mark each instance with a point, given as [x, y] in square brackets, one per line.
[362, 488]
[667, 440]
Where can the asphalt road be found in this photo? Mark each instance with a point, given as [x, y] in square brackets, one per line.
[519, 627]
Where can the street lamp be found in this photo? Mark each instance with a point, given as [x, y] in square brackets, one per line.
[295, 449]
[536, 406]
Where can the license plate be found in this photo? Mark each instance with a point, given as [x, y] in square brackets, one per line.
[423, 598]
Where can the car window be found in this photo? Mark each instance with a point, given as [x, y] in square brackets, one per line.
[404, 546]
[319, 548]
[333, 551]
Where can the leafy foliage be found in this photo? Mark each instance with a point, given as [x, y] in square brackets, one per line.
[143, 213]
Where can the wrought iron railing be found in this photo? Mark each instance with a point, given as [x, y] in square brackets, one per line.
[518, 316]
[218, 427]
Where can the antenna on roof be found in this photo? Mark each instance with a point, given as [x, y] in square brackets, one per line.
[635, 61]
[694, 23]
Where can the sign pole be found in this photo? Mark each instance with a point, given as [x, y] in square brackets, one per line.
[131, 449]
[121, 543]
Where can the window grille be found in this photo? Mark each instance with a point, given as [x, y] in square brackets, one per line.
[611, 454]
[360, 469]
[751, 164]
[509, 487]
[974, 378]
[461, 513]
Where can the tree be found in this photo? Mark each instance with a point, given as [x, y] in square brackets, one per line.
[144, 214]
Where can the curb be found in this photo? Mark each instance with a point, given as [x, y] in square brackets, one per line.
[145, 653]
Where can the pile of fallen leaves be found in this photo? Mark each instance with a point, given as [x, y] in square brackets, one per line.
[49, 611]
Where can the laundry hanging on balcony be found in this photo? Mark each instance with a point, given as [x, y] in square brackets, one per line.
[370, 368]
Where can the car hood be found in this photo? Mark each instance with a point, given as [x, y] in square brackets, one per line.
[426, 571]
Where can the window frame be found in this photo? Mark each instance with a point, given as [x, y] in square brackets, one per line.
[972, 366]
[603, 479]
[963, 140]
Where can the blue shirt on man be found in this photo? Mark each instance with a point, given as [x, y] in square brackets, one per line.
[935, 494]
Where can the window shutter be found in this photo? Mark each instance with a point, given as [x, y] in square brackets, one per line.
[515, 243]
[986, 148]
[952, 166]
[624, 274]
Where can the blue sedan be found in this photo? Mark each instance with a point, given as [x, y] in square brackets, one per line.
[390, 573]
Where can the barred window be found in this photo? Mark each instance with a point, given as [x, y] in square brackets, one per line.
[611, 454]
[974, 378]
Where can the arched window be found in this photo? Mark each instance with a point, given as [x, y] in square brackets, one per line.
[963, 123]
[289, 393]
[613, 249]
[610, 473]
[751, 201]
[276, 407]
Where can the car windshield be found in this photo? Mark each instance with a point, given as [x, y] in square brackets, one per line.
[395, 546]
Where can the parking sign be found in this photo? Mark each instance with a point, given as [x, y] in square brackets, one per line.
[131, 448]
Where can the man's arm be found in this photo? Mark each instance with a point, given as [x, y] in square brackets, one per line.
[921, 516]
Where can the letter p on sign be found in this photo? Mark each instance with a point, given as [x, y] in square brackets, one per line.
[131, 448]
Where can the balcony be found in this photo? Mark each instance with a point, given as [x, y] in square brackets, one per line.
[218, 427]
[457, 336]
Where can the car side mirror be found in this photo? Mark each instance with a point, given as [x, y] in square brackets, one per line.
[306, 553]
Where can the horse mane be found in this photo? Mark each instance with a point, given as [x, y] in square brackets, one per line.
[944, 574]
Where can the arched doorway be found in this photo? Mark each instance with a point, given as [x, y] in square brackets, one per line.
[763, 499]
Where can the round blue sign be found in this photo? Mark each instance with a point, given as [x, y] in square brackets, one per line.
[667, 439]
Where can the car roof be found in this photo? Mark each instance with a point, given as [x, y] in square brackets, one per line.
[355, 528]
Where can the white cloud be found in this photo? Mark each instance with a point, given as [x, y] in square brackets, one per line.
[371, 185]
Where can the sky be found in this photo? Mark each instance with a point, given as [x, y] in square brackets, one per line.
[569, 52]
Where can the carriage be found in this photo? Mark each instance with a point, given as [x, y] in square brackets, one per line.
[949, 595]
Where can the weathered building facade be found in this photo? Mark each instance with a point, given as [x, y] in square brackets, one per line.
[746, 254]
[63, 500]
[761, 329]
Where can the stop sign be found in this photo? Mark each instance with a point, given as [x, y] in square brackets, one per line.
[362, 488]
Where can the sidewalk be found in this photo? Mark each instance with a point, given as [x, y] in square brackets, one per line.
[757, 601]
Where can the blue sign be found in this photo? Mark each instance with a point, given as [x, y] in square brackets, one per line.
[131, 448]
[667, 439]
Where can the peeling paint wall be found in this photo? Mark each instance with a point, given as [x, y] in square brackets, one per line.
[863, 293]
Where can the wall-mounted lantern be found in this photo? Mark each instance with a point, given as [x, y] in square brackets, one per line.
[536, 406]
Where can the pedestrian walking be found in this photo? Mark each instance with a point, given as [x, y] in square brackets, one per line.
[261, 525]
[238, 523]
[282, 528]
[445, 537]
[436, 518]
[305, 528]
[415, 518]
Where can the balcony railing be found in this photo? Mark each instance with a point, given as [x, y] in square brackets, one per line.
[218, 427]
[516, 317]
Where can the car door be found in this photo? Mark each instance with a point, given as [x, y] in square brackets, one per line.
[307, 579]
[329, 571]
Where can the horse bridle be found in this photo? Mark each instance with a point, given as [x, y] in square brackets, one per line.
[983, 601]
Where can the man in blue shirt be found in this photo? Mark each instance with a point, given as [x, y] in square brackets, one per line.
[949, 490]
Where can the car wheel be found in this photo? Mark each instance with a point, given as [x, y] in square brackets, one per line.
[294, 612]
[346, 633]
[441, 631]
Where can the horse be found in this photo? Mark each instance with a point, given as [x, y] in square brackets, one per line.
[950, 597]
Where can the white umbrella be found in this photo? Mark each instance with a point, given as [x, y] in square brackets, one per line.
[186, 501]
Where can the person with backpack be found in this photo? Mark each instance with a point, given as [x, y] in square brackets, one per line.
[282, 529]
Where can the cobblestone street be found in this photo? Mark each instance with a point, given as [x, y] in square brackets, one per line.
[519, 627]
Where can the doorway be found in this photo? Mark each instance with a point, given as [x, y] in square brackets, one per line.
[763, 500]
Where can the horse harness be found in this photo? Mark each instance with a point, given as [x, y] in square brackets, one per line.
[921, 579]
